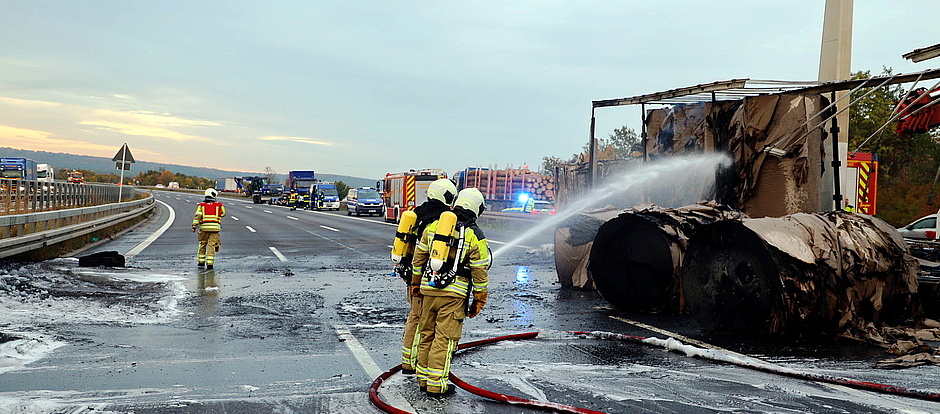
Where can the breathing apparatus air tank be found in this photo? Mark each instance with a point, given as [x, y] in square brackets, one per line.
[440, 247]
[404, 240]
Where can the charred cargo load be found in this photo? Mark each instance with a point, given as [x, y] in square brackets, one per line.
[636, 257]
[805, 275]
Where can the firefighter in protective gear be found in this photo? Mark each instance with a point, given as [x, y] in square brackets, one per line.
[292, 200]
[443, 308]
[441, 194]
[208, 220]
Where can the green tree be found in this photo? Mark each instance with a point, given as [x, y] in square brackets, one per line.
[906, 163]
[341, 188]
[623, 140]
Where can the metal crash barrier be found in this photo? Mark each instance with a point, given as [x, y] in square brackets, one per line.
[44, 225]
[22, 197]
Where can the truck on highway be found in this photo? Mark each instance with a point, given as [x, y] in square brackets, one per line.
[504, 188]
[406, 190]
[18, 169]
[324, 196]
[227, 185]
[300, 181]
[44, 173]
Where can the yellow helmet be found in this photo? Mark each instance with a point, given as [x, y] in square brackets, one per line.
[442, 190]
[471, 199]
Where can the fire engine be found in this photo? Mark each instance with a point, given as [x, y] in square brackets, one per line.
[405, 191]
[913, 119]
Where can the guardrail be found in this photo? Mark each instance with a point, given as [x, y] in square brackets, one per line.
[21, 233]
[500, 220]
[22, 197]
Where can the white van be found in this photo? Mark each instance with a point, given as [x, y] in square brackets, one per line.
[174, 184]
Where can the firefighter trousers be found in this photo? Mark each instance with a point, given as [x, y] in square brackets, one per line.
[409, 344]
[209, 243]
[441, 325]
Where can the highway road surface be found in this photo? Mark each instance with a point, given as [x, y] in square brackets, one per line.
[301, 314]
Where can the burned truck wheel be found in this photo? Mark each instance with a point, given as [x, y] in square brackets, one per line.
[632, 265]
[731, 282]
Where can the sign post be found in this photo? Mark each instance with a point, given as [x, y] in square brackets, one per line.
[124, 160]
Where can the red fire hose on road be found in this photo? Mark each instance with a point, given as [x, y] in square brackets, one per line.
[560, 408]
[669, 344]
[759, 365]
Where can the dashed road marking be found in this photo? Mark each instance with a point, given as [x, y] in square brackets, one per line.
[268, 211]
[293, 218]
[278, 254]
[329, 228]
[251, 229]
[234, 218]
[249, 207]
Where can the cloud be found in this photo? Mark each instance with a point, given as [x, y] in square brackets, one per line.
[147, 124]
[35, 140]
[297, 139]
[152, 118]
[28, 103]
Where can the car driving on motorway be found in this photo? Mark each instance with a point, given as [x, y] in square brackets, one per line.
[919, 228]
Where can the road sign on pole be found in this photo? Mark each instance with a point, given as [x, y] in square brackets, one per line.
[123, 159]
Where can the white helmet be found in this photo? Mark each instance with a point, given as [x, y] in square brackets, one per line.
[210, 192]
[471, 199]
[442, 190]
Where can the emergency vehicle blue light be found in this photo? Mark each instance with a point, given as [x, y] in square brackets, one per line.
[523, 197]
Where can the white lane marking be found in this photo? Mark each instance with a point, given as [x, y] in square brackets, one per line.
[278, 254]
[249, 207]
[251, 229]
[268, 211]
[329, 228]
[153, 237]
[293, 218]
[234, 218]
[394, 398]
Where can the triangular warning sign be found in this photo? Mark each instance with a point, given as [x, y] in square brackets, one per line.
[124, 154]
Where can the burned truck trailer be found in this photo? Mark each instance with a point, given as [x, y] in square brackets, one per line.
[778, 135]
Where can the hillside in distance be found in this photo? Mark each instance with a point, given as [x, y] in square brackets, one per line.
[61, 161]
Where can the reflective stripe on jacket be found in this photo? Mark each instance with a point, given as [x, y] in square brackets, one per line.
[209, 216]
[476, 258]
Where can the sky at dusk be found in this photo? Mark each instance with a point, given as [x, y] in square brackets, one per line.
[365, 88]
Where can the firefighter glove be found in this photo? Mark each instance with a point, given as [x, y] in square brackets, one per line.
[416, 291]
[479, 299]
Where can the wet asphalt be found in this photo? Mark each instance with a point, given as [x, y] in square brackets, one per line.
[301, 314]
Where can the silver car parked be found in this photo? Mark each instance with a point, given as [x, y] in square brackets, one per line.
[919, 228]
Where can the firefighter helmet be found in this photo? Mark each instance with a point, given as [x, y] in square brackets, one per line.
[442, 190]
[211, 193]
[471, 199]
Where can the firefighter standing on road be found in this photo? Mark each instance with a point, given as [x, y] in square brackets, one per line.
[443, 306]
[292, 200]
[208, 220]
[441, 195]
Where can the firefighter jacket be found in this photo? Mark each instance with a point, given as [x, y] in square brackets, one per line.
[472, 268]
[427, 212]
[209, 216]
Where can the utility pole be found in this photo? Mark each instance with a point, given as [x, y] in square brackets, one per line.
[835, 61]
